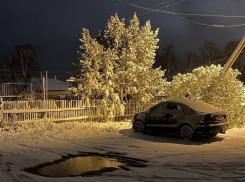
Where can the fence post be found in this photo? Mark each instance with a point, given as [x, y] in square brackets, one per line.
[1, 109]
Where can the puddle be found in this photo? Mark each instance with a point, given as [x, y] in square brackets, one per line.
[86, 164]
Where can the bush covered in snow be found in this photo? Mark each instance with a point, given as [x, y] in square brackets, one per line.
[224, 91]
[28, 96]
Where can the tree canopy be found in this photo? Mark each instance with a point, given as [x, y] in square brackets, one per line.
[168, 61]
[117, 64]
[21, 65]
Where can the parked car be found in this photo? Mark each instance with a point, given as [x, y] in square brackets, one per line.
[188, 117]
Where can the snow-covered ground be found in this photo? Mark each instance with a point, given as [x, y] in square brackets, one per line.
[170, 158]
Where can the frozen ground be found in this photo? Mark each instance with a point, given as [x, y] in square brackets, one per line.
[169, 158]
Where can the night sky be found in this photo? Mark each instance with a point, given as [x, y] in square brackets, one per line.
[54, 26]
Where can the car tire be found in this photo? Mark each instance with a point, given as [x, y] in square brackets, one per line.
[139, 126]
[187, 132]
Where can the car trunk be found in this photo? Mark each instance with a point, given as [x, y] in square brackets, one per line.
[214, 117]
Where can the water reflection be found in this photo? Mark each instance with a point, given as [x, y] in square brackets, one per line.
[85, 164]
[78, 165]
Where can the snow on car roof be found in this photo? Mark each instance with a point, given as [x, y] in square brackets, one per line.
[198, 105]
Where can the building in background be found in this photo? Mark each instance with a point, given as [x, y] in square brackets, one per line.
[12, 91]
[56, 89]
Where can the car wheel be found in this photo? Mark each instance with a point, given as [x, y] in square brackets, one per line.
[139, 126]
[187, 132]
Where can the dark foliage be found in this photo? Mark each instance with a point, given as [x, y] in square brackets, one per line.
[21, 65]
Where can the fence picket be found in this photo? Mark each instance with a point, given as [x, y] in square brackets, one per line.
[59, 110]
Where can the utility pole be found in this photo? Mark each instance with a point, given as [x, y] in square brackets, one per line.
[46, 85]
[41, 89]
[43, 83]
[234, 55]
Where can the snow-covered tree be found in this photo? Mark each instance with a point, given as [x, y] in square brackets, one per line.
[95, 77]
[88, 76]
[134, 49]
[118, 63]
[224, 91]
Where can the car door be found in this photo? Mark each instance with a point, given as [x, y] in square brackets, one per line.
[174, 114]
[156, 114]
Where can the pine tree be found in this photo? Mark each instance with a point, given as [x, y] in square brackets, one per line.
[88, 76]
[118, 63]
[134, 49]
[94, 80]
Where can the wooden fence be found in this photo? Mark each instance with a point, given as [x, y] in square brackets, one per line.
[60, 110]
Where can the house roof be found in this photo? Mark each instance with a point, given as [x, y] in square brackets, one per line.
[53, 84]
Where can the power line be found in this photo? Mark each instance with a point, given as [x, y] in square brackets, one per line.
[129, 0]
[158, 5]
[161, 4]
[150, 7]
[176, 13]
[175, 3]
[129, 5]
[186, 14]
[165, 6]
[153, 6]
[210, 25]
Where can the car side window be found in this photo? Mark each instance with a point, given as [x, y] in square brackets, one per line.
[174, 107]
[158, 110]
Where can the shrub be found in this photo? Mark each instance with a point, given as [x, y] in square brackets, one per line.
[224, 91]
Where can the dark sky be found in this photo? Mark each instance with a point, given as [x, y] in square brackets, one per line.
[54, 26]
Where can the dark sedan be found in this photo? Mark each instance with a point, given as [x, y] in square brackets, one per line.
[189, 117]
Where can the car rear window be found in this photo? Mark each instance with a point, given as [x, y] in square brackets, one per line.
[201, 106]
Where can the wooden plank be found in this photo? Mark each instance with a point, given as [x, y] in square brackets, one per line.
[61, 119]
[39, 110]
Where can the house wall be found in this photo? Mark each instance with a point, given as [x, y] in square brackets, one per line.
[53, 94]
[57, 92]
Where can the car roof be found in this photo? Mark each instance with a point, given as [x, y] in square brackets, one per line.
[197, 105]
